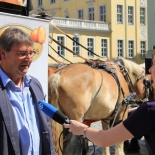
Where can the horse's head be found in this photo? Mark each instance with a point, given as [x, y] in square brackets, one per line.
[144, 89]
[134, 70]
[141, 84]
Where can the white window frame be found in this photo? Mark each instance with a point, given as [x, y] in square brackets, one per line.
[120, 49]
[119, 13]
[105, 48]
[103, 14]
[91, 13]
[40, 2]
[131, 48]
[142, 49]
[142, 16]
[76, 46]
[59, 48]
[90, 47]
[52, 1]
[130, 15]
[80, 14]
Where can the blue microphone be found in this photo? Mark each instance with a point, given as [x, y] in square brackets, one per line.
[53, 112]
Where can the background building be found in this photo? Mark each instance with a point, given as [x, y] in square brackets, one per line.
[151, 24]
[106, 27]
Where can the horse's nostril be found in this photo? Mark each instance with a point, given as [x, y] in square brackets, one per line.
[147, 83]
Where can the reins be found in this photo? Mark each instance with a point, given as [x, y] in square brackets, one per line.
[124, 71]
[75, 41]
[130, 84]
[59, 54]
[59, 62]
[70, 50]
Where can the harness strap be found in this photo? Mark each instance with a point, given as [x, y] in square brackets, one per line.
[111, 71]
[94, 96]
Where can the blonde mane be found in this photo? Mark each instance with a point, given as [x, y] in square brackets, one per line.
[134, 70]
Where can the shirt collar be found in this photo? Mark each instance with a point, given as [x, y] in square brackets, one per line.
[5, 79]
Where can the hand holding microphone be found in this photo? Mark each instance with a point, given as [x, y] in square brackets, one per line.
[53, 112]
[75, 127]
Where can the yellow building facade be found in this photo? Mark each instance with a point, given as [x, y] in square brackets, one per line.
[109, 28]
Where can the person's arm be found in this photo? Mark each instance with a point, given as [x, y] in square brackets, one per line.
[132, 110]
[102, 138]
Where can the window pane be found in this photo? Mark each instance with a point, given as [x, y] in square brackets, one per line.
[80, 14]
[39, 2]
[119, 14]
[76, 47]
[61, 50]
[52, 1]
[142, 49]
[130, 15]
[91, 13]
[120, 48]
[103, 13]
[104, 47]
[90, 46]
[142, 16]
[130, 49]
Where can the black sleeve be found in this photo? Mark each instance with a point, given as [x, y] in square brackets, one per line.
[139, 122]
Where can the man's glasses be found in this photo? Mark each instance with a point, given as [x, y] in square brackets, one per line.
[24, 54]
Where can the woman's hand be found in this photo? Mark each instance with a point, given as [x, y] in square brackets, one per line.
[76, 127]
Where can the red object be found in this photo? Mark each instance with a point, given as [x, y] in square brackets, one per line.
[88, 122]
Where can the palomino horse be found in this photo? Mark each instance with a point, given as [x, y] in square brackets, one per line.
[84, 93]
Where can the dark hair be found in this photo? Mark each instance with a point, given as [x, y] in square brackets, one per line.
[12, 36]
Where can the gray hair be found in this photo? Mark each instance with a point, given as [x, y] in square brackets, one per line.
[12, 36]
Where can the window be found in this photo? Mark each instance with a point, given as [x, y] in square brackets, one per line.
[130, 15]
[40, 2]
[80, 14]
[119, 14]
[130, 49]
[91, 13]
[142, 16]
[102, 13]
[76, 46]
[120, 48]
[142, 49]
[53, 1]
[104, 47]
[60, 49]
[90, 46]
